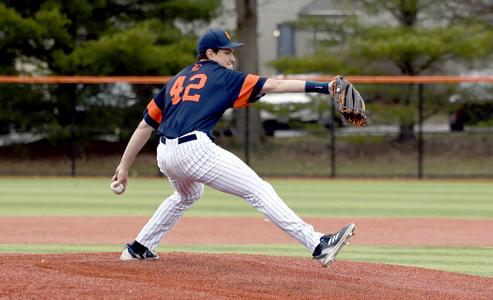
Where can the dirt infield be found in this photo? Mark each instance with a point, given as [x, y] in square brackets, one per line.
[217, 230]
[214, 276]
[208, 276]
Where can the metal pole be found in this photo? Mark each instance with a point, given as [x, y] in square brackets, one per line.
[247, 135]
[420, 130]
[73, 104]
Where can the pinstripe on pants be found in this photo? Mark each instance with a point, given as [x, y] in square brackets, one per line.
[190, 165]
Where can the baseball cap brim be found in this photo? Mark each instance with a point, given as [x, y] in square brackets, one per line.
[232, 45]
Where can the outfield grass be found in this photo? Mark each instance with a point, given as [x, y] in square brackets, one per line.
[309, 198]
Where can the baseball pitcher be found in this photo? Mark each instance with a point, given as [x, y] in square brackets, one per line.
[184, 114]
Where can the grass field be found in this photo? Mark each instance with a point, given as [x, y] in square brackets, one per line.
[21, 196]
[310, 198]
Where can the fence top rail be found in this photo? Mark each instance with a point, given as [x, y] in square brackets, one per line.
[85, 79]
[389, 79]
[438, 79]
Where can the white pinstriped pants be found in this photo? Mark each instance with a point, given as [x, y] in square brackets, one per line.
[190, 165]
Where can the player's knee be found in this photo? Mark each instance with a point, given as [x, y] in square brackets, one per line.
[188, 201]
[260, 194]
[200, 191]
[267, 189]
[194, 196]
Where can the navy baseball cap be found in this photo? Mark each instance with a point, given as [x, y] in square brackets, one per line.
[216, 39]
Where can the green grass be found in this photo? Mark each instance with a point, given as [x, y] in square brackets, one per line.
[474, 261]
[32, 196]
[309, 198]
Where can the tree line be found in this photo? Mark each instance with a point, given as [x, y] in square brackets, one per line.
[156, 37]
[100, 37]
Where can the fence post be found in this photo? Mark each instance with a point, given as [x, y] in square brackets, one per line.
[73, 104]
[420, 130]
[247, 135]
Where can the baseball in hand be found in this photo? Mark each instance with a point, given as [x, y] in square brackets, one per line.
[117, 187]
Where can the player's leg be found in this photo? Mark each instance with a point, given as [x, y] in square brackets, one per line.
[233, 176]
[224, 171]
[186, 193]
[169, 212]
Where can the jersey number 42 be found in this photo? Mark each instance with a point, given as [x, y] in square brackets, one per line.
[191, 87]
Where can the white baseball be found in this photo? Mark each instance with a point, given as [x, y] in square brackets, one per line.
[117, 187]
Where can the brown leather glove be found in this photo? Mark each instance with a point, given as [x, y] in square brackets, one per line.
[351, 104]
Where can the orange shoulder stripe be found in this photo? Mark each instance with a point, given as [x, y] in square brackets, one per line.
[246, 91]
[154, 111]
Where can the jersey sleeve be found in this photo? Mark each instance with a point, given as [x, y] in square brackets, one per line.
[244, 88]
[153, 113]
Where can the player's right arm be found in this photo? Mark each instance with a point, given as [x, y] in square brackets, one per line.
[139, 138]
[153, 115]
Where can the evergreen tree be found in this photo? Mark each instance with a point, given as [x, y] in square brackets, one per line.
[98, 37]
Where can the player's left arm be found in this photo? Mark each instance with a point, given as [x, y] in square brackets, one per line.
[296, 86]
[251, 87]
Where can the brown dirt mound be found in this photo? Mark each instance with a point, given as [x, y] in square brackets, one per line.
[213, 276]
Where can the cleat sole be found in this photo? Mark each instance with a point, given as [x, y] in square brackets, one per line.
[329, 259]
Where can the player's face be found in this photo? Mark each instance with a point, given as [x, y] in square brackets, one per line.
[225, 57]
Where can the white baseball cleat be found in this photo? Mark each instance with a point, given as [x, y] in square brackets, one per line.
[331, 244]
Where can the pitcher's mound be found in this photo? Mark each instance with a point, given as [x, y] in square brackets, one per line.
[220, 276]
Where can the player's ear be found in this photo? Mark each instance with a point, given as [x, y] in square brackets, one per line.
[209, 53]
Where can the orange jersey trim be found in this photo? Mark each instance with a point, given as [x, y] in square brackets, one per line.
[154, 112]
[246, 91]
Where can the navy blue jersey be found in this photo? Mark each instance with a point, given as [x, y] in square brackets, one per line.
[196, 98]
